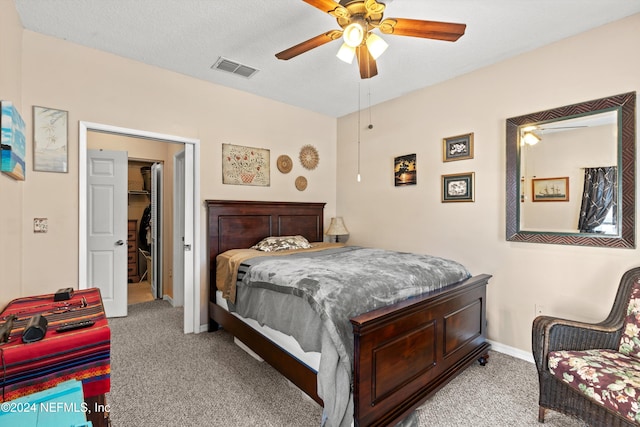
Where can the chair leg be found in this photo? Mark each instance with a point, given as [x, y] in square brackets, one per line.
[541, 412]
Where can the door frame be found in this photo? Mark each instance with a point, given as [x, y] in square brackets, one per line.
[157, 220]
[178, 222]
[191, 290]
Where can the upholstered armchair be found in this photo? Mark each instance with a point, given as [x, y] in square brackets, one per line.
[592, 371]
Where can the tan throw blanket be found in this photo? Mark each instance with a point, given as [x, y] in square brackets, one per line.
[227, 264]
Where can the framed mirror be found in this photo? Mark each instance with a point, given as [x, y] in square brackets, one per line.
[570, 175]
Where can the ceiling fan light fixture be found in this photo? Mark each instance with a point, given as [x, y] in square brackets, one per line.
[346, 53]
[376, 45]
[353, 34]
[530, 138]
[356, 18]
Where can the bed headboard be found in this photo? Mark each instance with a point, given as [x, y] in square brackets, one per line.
[235, 224]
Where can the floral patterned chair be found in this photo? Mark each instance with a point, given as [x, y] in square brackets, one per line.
[592, 371]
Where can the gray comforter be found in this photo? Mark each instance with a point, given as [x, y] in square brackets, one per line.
[337, 284]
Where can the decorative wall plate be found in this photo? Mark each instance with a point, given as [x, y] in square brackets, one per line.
[309, 157]
[284, 163]
[301, 183]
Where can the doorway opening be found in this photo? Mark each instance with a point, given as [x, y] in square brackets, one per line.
[145, 235]
[189, 248]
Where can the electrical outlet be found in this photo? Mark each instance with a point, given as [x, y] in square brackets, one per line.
[539, 309]
[40, 225]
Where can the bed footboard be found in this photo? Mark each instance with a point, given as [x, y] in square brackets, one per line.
[406, 352]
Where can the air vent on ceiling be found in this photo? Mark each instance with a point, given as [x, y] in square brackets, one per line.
[234, 67]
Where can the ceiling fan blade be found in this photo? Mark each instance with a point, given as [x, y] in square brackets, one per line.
[563, 127]
[330, 7]
[373, 7]
[309, 44]
[447, 31]
[367, 64]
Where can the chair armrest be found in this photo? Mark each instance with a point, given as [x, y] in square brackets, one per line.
[553, 334]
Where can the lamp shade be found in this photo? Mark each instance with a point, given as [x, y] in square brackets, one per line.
[353, 34]
[336, 227]
[376, 45]
[530, 138]
[346, 53]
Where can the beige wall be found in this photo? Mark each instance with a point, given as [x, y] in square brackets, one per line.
[102, 88]
[11, 192]
[576, 282]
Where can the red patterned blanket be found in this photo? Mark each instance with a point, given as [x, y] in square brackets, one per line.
[82, 354]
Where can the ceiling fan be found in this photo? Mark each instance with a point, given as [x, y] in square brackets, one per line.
[531, 135]
[358, 18]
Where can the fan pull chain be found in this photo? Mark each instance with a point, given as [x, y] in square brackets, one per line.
[359, 114]
[370, 122]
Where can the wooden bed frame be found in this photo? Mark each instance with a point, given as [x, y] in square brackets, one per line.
[404, 352]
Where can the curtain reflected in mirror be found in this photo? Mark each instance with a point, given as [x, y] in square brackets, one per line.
[598, 213]
[571, 174]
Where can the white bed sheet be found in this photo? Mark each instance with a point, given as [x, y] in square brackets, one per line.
[286, 342]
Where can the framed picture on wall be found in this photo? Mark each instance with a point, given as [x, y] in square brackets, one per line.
[457, 148]
[245, 165]
[459, 187]
[550, 189]
[50, 140]
[405, 171]
[12, 142]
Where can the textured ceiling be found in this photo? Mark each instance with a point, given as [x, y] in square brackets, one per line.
[188, 36]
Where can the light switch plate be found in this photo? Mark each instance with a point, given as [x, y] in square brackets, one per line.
[40, 225]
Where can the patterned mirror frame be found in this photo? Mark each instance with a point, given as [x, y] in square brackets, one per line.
[625, 104]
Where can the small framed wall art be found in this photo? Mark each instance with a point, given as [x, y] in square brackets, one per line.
[550, 189]
[50, 135]
[457, 148]
[404, 170]
[459, 187]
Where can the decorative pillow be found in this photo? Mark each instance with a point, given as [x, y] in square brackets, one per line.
[630, 338]
[606, 376]
[273, 244]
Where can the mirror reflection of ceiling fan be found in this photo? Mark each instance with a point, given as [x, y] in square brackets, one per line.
[549, 129]
[531, 135]
[358, 18]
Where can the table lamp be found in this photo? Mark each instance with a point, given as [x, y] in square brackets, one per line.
[337, 228]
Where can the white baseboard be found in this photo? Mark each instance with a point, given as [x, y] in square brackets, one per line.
[511, 351]
[204, 328]
[168, 298]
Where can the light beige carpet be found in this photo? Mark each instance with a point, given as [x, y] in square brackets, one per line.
[162, 377]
